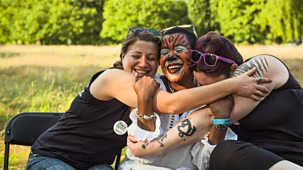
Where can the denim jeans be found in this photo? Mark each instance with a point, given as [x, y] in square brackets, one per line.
[38, 162]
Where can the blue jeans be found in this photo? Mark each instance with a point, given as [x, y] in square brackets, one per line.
[38, 162]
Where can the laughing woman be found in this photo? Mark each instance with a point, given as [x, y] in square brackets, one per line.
[93, 130]
[270, 130]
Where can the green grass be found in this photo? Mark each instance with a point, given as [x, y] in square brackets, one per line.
[8, 54]
[33, 88]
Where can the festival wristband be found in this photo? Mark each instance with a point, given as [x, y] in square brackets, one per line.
[225, 121]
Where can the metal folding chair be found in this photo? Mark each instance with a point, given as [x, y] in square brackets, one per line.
[25, 128]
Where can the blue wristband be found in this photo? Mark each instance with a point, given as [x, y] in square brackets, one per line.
[225, 121]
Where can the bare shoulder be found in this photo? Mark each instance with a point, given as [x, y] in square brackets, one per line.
[111, 76]
[267, 66]
[110, 73]
[105, 84]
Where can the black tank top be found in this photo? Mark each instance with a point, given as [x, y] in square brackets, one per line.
[276, 124]
[84, 136]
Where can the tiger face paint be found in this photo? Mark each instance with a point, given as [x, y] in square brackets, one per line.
[174, 58]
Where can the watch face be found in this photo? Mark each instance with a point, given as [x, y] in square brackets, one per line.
[221, 127]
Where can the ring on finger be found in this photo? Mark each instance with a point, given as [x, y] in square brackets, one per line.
[259, 80]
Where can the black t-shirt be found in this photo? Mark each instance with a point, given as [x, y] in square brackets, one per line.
[276, 124]
[84, 136]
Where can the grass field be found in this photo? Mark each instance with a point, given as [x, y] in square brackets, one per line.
[46, 78]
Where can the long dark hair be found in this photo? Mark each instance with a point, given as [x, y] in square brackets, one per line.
[131, 39]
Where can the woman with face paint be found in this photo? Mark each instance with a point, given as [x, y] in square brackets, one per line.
[177, 44]
[93, 130]
[271, 142]
[174, 60]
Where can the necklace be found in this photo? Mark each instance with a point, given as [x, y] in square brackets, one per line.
[170, 88]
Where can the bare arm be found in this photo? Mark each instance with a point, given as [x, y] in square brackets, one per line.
[267, 66]
[115, 83]
[145, 89]
[221, 109]
[190, 130]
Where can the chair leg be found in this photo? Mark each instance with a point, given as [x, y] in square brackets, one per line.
[6, 156]
[117, 160]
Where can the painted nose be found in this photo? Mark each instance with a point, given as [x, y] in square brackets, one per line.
[171, 58]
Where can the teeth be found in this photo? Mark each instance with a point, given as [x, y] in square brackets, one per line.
[173, 63]
[174, 67]
[141, 71]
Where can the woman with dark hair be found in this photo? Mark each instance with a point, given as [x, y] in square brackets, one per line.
[93, 130]
[271, 129]
[91, 133]
[177, 44]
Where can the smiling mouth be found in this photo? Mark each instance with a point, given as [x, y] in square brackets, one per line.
[141, 73]
[174, 68]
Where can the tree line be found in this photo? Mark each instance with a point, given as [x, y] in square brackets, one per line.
[107, 21]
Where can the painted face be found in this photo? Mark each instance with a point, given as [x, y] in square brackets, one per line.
[142, 58]
[203, 78]
[174, 58]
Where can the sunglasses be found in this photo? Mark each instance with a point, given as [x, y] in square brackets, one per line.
[137, 30]
[188, 27]
[209, 60]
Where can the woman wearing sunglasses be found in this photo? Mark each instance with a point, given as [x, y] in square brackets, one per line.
[273, 124]
[175, 62]
[177, 42]
[93, 130]
[269, 131]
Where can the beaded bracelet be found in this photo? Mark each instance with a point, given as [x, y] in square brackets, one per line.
[145, 117]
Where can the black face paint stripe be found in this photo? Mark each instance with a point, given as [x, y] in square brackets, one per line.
[182, 40]
[171, 39]
[165, 42]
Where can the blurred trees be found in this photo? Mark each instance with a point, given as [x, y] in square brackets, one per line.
[282, 20]
[106, 21]
[158, 14]
[250, 21]
[199, 12]
[51, 21]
